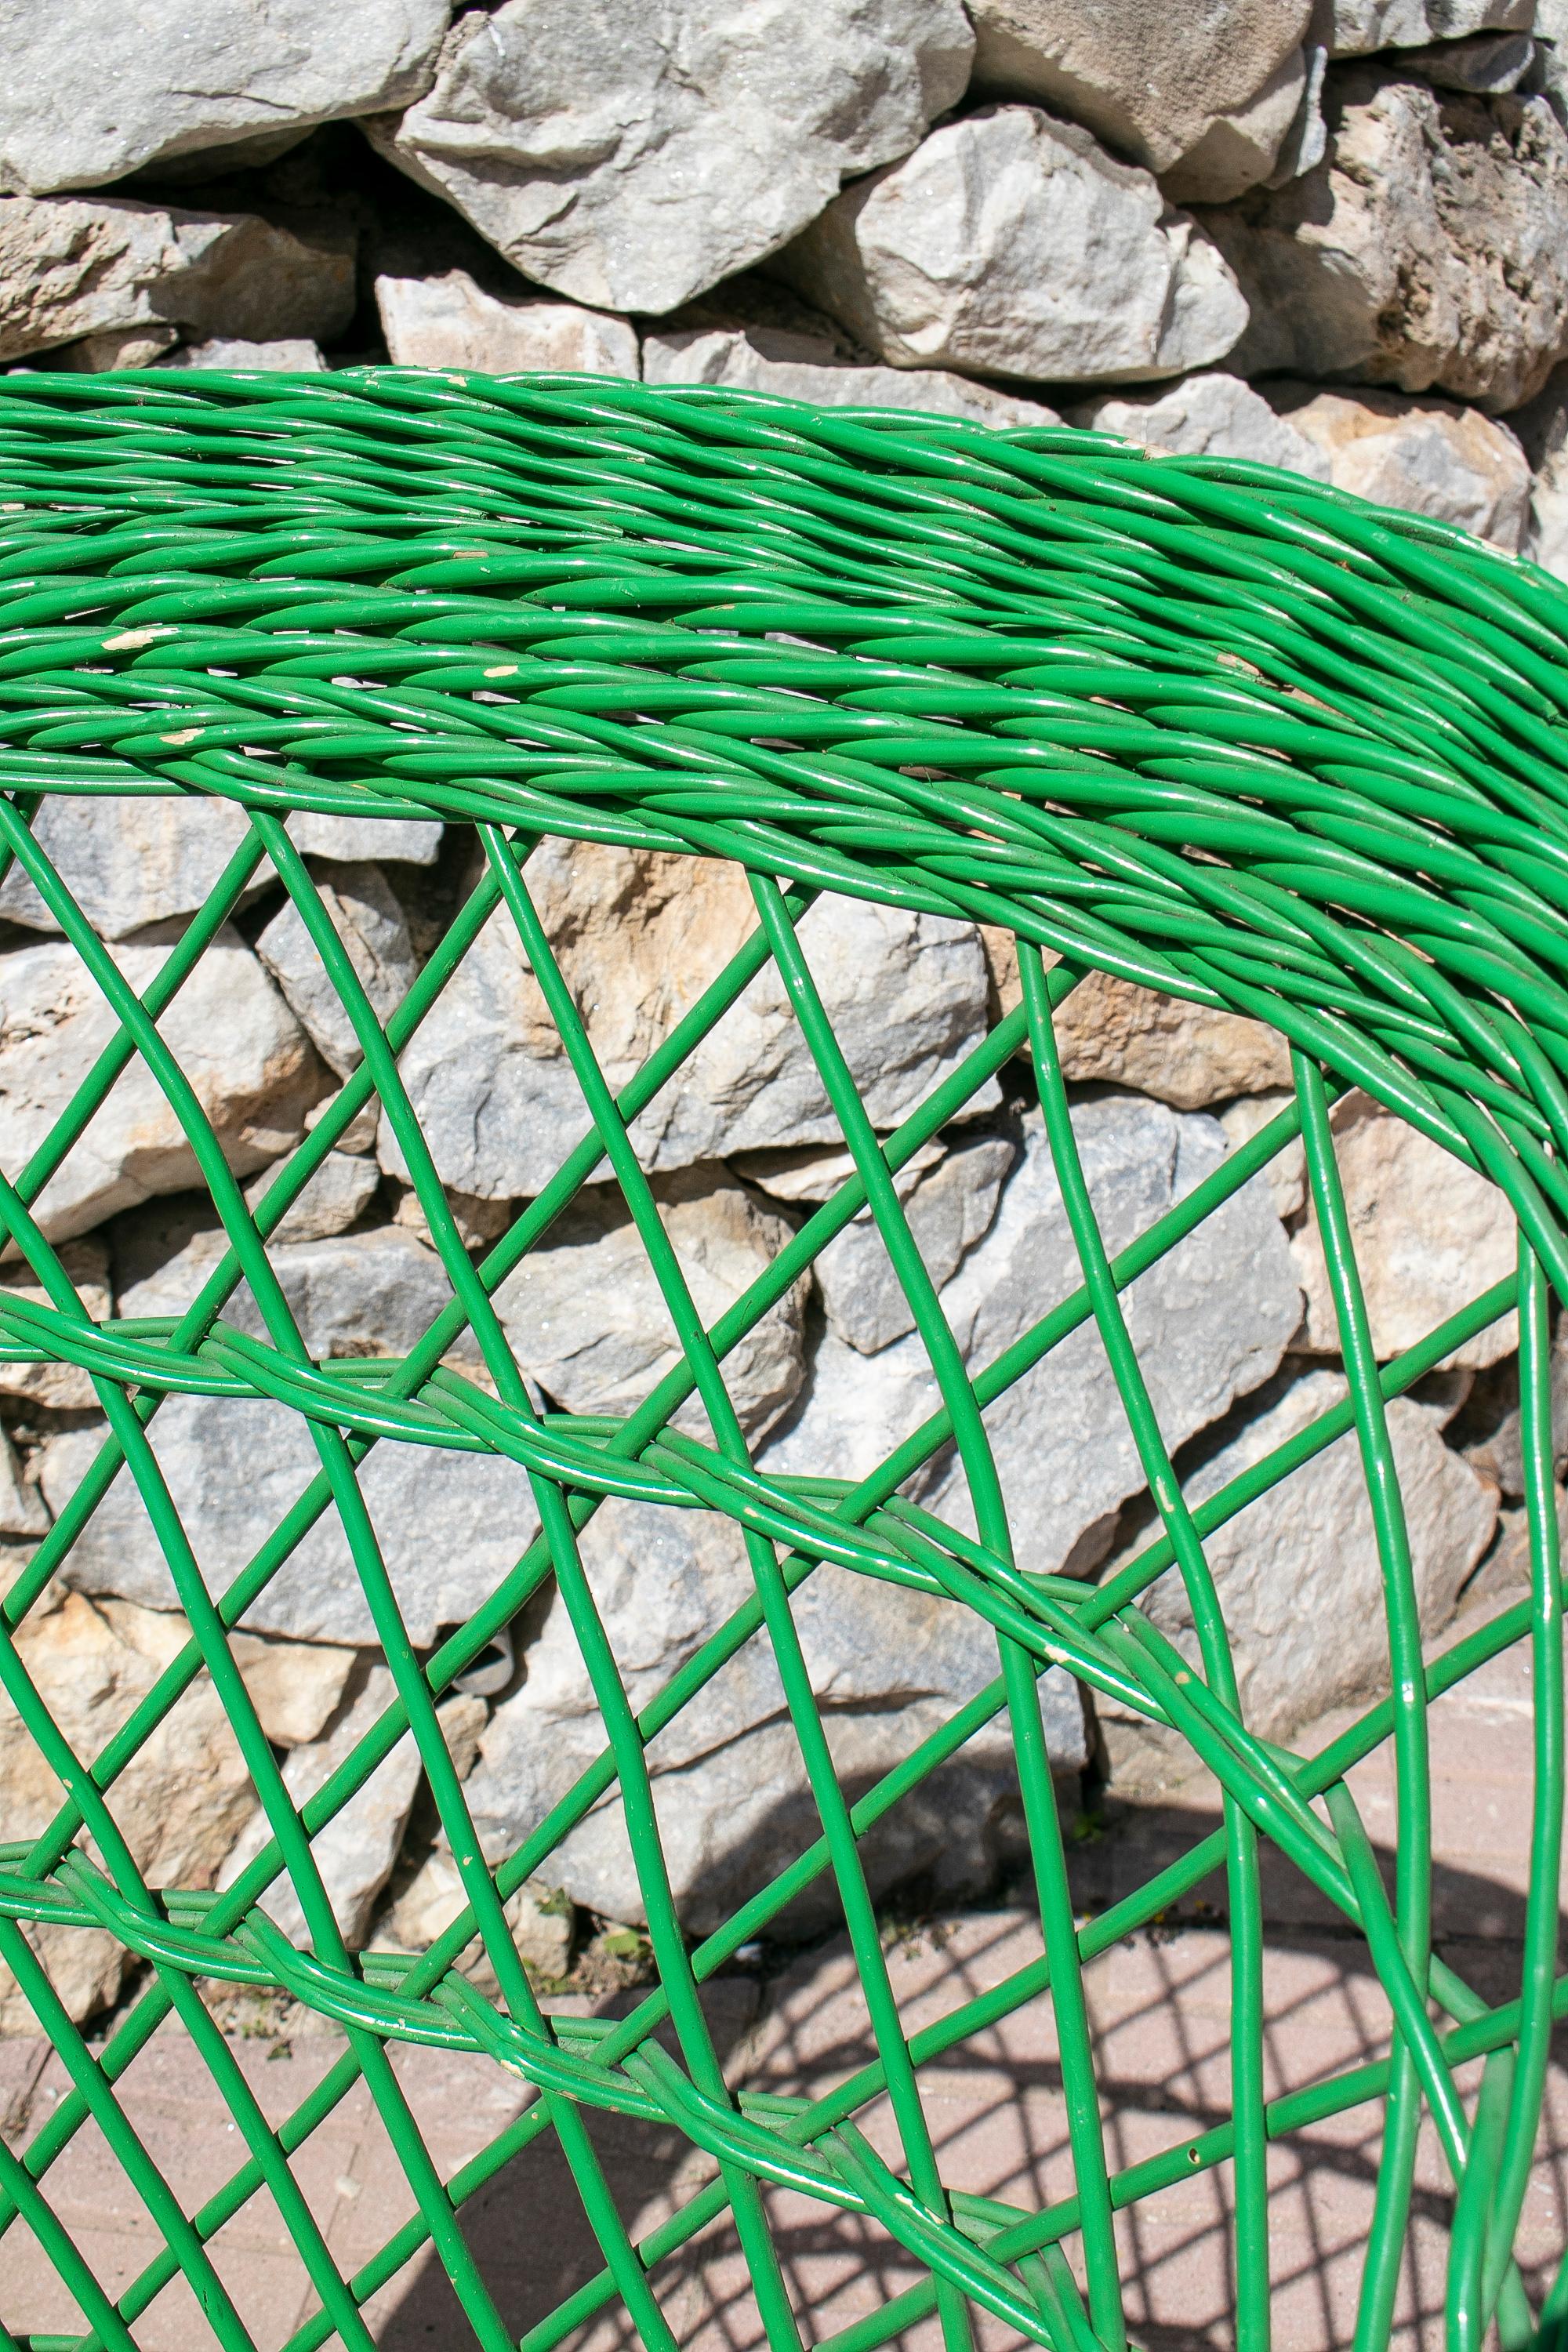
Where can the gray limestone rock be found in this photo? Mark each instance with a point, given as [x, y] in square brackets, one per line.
[1011, 242]
[1430, 457]
[297, 353]
[1285, 1175]
[91, 93]
[804, 367]
[1360, 26]
[412, 840]
[355, 1850]
[1205, 416]
[449, 321]
[1299, 1585]
[1549, 67]
[640, 935]
[811, 1173]
[254, 1072]
[365, 913]
[132, 863]
[538, 1917]
[368, 1294]
[180, 1803]
[1542, 431]
[889, 1665]
[22, 1511]
[75, 265]
[1203, 95]
[334, 1198]
[1210, 1322]
[1428, 251]
[629, 155]
[451, 1526]
[949, 1206]
[1490, 65]
[63, 1386]
[1429, 1234]
[585, 1316]
[127, 863]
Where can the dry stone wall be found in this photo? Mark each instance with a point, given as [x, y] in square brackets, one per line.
[1325, 234]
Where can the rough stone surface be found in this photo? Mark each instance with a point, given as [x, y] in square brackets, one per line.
[132, 863]
[451, 1526]
[90, 93]
[449, 321]
[1210, 1322]
[812, 1174]
[729, 1787]
[1297, 1574]
[1012, 244]
[117, 347]
[355, 1850]
[538, 1917]
[1428, 250]
[1429, 1235]
[1425, 456]
[295, 1686]
[1111, 1031]
[72, 266]
[479, 1222]
[409, 842]
[585, 1316]
[804, 367]
[127, 863]
[63, 1387]
[370, 1294]
[1212, 415]
[1498, 1450]
[1548, 69]
[1357, 25]
[1488, 65]
[357, 1138]
[250, 1065]
[1285, 1174]
[297, 352]
[22, 1512]
[180, 1803]
[640, 935]
[364, 912]
[1203, 95]
[949, 1206]
[335, 1198]
[1542, 431]
[563, 132]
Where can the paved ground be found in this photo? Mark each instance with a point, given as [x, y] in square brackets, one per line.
[1159, 2008]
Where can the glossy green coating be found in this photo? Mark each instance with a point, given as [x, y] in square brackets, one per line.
[1214, 730]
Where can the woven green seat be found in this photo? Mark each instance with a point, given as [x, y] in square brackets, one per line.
[1216, 731]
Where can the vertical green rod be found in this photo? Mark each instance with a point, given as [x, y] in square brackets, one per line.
[1251, 2155]
[1385, 2244]
[1546, 1661]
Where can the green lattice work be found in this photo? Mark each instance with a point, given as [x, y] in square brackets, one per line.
[1217, 731]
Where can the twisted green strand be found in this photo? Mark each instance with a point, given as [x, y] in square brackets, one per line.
[1213, 730]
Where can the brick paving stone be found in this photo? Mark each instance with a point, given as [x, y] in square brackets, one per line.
[1159, 2005]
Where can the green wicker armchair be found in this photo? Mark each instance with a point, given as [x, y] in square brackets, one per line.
[1213, 730]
